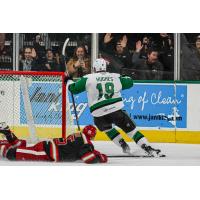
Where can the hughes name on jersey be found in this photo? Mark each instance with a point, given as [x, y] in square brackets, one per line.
[103, 90]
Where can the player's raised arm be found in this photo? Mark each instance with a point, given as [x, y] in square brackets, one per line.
[75, 87]
[79, 86]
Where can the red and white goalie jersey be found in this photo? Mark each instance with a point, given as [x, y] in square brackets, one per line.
[74, 147]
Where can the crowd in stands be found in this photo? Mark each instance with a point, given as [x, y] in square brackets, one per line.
[145, 56]
[36, 58]
[142, 56]
[31, 60]
[6, 52]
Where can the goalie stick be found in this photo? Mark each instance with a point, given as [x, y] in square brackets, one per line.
[134, 156]
[129, 156]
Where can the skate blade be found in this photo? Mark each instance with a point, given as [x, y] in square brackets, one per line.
[155, 155]
[159, 156]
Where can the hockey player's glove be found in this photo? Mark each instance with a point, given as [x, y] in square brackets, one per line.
[89, 155]
[102, 157]
[67, 77]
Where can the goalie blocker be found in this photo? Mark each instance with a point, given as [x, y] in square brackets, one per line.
[74, 147]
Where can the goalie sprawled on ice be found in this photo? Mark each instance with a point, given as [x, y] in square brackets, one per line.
[74, 147]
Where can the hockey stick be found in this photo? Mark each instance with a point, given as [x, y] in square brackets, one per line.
[129, 156]
[64, 46]
[134, 156]
[73, 101]
[75, 111]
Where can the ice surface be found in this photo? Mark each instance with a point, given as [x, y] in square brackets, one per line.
[176, 154]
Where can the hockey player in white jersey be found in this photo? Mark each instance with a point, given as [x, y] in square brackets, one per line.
[105, 103]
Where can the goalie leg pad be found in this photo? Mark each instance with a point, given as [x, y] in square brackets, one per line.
[35, 153]
[7, 151]
[11, 154]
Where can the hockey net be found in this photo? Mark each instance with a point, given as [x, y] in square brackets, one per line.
[35, 104]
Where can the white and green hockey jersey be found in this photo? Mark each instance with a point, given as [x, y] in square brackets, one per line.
[103, 91]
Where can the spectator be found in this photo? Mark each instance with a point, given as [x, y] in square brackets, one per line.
[51, 63]
[5, 54]
[80, 64]
[40, 50]
[197, 46]
[149, 68]
[146, 46]
[190, 59]
[121, 53]
[116, 52]
[29, 61]
[108, 43]
[2, 42]
[61, 61]
[164, 44]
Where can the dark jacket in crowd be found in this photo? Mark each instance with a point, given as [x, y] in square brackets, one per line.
[124, 59]
[145, 70]
[30, 65]
[166, 52]
[190, 61]
[54, 66]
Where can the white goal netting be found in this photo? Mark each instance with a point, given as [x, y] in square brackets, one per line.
[35, 105]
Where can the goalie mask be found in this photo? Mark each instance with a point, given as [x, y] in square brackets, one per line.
[99, 65]
[89, 131]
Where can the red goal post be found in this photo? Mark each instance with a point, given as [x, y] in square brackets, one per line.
[34, 102]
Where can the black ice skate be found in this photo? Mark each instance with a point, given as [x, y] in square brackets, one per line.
[125, 147]
[151, 151]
